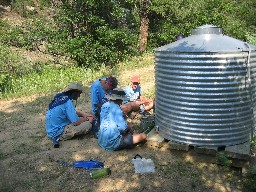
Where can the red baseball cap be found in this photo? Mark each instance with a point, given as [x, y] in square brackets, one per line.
[135, 79]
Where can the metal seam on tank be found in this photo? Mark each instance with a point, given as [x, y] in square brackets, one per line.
[204, 122]
[206, 111]
[217, 138]
[187, 77]
[185, 118]
[207, 94]
[208, 142]
[201, 55]
[203, 135]
[202, 107]
[216, 133]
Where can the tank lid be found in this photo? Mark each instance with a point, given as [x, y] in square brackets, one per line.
[207, 38]
[207, 29]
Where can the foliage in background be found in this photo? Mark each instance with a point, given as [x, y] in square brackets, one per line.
[168, 19]
[47, 79]
[251, 38]
[12, 66]
[20, 6]
[250, 179]
[98, 37]
[102, 33]
[45, 3]
[29, 35]
[93, 33]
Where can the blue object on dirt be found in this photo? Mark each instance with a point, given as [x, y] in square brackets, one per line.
[91, 164]
[87, 164]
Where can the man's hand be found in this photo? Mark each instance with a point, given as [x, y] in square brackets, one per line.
[80, 120]
[87, 117]
[90, 118]
[130, 127]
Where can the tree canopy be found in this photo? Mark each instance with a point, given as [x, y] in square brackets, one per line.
[96, 32]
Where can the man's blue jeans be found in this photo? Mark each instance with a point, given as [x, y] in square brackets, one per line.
[95, 125]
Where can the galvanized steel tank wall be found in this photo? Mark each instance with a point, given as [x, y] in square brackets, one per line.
[205, 89]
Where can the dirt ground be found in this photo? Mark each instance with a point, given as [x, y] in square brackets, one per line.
[28, 161]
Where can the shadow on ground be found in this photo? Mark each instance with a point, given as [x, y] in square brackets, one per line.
[28, 161]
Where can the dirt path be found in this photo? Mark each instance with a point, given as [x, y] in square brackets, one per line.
[28, 159]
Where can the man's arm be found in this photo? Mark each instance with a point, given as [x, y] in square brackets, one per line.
[83, 117]
[80, 120]
[99, 105]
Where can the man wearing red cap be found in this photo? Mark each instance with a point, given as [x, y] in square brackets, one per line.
[137, 102]
[134, 91]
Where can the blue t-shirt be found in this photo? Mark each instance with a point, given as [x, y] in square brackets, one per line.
[112, 123]
[132, 94]
[60, 116]
[97, 95]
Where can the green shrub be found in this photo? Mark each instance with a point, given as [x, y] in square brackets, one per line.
[44, 78]
[251, 38]
[29, 35]
[12, 63]
[94, 33]
[20, 7]
[12, 66]
[250, 179]
[44, 3]
[48, 78]
[6, 84]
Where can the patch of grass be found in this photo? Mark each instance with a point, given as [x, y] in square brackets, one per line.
[150, 93]
[49, 78]
[6, 187]
[23, 148]
[11, 119]
[186, 168]
[221, 159]
[190, 173]
[21, 165]
[193, 184]
[2, 155]
[36, 138]
[250, 179]
[27, 149]
[135, 62]
[46, 80]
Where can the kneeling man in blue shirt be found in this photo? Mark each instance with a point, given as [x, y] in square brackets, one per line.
[62, 120]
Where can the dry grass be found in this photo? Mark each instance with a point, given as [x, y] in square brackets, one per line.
[28, 159]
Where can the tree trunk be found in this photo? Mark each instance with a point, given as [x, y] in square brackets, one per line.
[144, 25]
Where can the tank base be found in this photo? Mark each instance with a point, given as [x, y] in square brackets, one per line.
[239, 151]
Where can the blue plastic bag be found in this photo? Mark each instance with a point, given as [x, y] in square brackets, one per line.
[86, 164]
[91, 164]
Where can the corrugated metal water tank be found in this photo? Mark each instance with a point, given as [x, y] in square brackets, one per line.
[205, 89]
